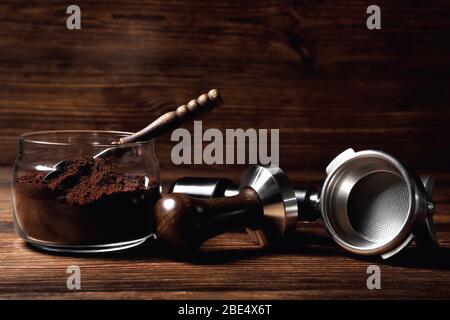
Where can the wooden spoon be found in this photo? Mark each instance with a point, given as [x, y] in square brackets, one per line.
[165, 123]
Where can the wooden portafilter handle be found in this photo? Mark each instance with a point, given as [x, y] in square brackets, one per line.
[265, 205]
[173, 119]
[183, 223]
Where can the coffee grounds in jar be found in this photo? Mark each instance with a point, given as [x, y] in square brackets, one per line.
[88, 201]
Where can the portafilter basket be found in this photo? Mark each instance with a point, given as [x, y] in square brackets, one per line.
[371, 204]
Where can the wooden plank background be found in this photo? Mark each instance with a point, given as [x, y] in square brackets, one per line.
[310, 68]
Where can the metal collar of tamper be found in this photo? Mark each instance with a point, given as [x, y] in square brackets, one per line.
[372, 205]
[278, 201]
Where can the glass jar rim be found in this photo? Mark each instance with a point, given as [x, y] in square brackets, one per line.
[32, 137]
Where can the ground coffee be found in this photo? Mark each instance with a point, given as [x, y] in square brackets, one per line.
[89, 202]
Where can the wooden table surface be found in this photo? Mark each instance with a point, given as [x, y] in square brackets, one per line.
[307, 266]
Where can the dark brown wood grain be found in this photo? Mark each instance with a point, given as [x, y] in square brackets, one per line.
[310, 68]
[307, 264]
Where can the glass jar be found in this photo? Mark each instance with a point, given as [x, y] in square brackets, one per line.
[90, 203]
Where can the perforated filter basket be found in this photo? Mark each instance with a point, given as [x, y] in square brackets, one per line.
[371, 204]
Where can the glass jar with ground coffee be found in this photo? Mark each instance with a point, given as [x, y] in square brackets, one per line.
[92, 201]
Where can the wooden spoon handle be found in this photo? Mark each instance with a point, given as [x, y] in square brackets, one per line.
[173, 119]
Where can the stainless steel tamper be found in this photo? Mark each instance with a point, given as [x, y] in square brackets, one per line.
[264, 203]
[370, 204]
[307, 199]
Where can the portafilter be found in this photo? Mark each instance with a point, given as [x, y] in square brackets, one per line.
[370, 203]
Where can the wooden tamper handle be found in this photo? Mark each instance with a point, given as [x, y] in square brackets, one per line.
[183, 223]
[173, 119]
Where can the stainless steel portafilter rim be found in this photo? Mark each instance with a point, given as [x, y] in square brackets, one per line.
[370, 202]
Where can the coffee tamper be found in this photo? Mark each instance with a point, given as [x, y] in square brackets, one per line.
[205, 187]
[265, 204]
[370, 203]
